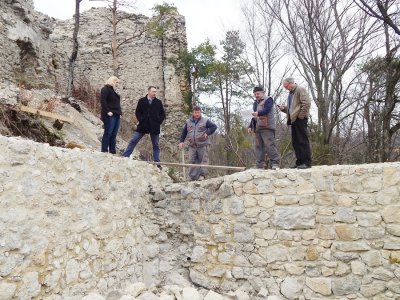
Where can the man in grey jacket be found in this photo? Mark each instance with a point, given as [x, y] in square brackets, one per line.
[197, 129]
[263, 125]
[298, 112]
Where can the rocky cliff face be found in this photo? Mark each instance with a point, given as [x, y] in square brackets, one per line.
[35, 50]
[74, 222]
[26, 51]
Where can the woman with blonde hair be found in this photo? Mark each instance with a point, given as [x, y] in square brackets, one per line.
[110, 114]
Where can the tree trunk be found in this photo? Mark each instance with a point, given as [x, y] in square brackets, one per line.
[114, 45]
[75, 46]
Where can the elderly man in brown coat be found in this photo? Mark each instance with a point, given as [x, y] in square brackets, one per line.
[298, 112]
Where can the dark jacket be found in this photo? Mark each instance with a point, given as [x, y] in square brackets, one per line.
[110, 101]
[195, 130]
[150, 116]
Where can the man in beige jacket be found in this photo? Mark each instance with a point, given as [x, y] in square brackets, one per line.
[298, 111]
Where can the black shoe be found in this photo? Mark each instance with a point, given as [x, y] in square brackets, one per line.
[303, 166]
[293, 167]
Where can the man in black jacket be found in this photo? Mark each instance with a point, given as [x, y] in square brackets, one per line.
[150, 114]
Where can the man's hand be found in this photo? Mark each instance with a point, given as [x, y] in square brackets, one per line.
[110, 114]
[281, 107]
[248, 130]
[255, 114]
[181, 145]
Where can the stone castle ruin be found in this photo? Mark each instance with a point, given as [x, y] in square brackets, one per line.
[36, 48]
[80, 224]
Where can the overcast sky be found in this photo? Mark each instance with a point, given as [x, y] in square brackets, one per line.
[204, 18]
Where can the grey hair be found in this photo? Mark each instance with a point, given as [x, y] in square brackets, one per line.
[289, 80]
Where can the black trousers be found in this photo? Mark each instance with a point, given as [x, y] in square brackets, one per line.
[301, 143]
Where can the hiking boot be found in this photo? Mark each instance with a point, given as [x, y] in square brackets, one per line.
[202, 177]
[275, 167]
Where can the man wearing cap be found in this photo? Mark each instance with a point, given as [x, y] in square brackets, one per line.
[263, 124]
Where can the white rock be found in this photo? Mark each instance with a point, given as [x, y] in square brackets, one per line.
[291, 287]
[93, 296]
[7, 290]
[211, 295]
[72, 271]
[241, 295]
[30, 287]
[135, 289]
[189, 293]
[148, 296]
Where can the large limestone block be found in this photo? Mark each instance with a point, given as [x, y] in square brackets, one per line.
[346, 285]
[211, 295]
[391, 176]
[393, 229]
[391, 214]
[372, 258]
[345, 215]
[135, 289]
[295, 217]
[30, 287]
[349, 184]
[292, 287]
[204, 280]
[199, 254]
[274, 253]
[372, 289]
[382, 274]
[243, 233]
[7, 290]
[72, 271]
[352, 246]
[392, 243]
[148, 296]
[320, 285]
[347, 232]
[189, 293]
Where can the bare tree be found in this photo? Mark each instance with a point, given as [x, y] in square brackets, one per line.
[116, 18]
[75, 46]
[327, 39]
[264, 49]
[381, 10]
[382, 107]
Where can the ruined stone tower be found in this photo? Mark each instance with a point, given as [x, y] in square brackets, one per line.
[36, 49]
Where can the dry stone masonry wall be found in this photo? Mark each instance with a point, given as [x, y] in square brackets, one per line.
[328, 232]
[79, 223]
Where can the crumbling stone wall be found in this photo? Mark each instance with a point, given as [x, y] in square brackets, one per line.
[74, 222]
[35, 51]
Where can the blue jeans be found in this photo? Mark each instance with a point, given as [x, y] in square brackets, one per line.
[137, 136]
[109, 140]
